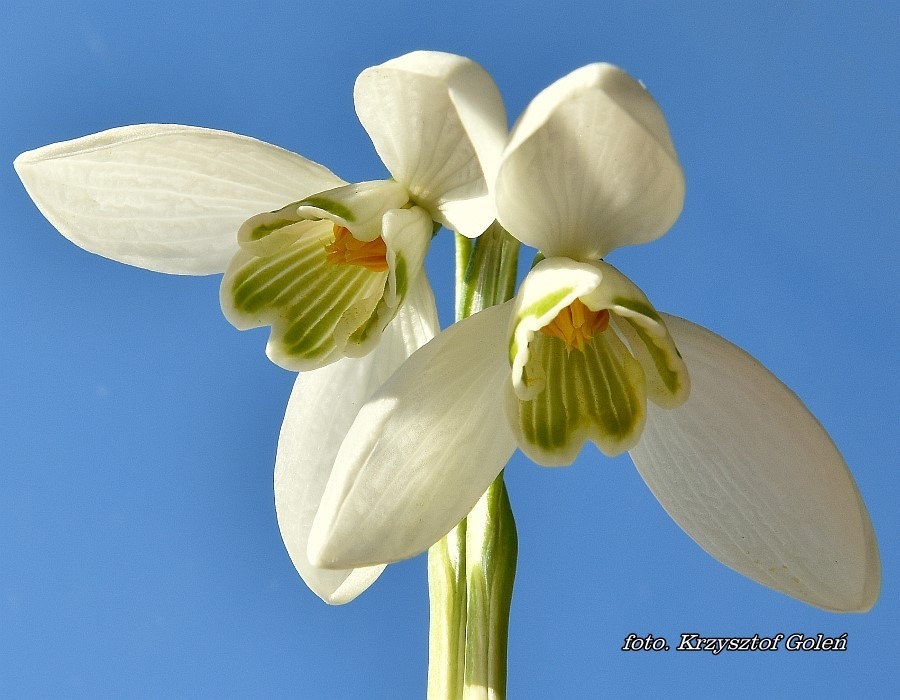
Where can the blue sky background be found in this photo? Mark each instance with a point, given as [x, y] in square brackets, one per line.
[139, 552]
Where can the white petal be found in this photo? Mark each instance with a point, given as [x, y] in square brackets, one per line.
[417, 321]
[422, 450]
[407, 234]
[590, 167]
[439, 125]
[164, 197]
[358, 207]
[749, 473]
[322, 407]
[320, 411]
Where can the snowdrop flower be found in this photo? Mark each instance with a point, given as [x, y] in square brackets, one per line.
[730, 452]
[331, 265]
[328, 265]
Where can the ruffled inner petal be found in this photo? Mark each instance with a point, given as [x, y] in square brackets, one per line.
[586, 351]
[596, 394]
[313, 306]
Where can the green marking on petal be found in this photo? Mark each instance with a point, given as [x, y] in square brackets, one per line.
[537, 309]
[373, 323]
[513, 348]
[401, 277]
[257, 286]
[638, 307]
[545, 304]
[332, 207]
[670, 376]
[607, 373]
[266, 233]
[596, 394]
[668, 382]
[264, 229]
[313, 306]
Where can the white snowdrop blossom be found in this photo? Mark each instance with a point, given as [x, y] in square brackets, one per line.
[330, 266]
[730, 452]
[326, 264]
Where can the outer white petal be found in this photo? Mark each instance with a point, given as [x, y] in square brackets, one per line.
[749, 473]
[321, 410]
[590, 167]
[439, 125]
[422, 450]
[164, 197]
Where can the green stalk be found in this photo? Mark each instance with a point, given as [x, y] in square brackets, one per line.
[447, 606]
[472, 570]
[491, 549]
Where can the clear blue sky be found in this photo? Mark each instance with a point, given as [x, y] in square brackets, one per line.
[139, 552]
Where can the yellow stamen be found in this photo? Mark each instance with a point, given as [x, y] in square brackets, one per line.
[576, 324]
[347, 250]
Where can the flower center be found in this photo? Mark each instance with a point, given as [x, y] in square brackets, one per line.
[347, 250]
[576, 324]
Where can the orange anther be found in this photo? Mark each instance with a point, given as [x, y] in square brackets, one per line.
[347, 250]
[576, 324]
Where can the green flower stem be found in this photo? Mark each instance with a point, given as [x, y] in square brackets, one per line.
[447, 603]
[491, 549]
[485, 270]
[471, 571]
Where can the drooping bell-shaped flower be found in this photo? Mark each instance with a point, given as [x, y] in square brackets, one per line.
[331, 266]
[732, 454]
[329, 272]
[325, 263]
[328, 284]
[587, 347]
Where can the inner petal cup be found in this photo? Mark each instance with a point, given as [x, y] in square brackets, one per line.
[587, 350]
